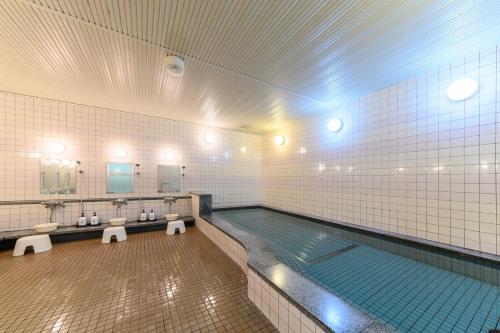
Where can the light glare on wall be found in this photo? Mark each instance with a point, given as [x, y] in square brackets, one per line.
[334, 125]
[302, 150]
[34, 154]
[57, 148]
[209, 138]
[462, 89]
[244, 150]
[120, 152]
[279, 140]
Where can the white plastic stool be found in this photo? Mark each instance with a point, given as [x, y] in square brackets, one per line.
[40, 243]
[119, 232]
[172, 225]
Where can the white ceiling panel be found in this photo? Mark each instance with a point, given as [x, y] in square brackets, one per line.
[256, 64]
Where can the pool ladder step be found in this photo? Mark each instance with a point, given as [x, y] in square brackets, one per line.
[327, 256]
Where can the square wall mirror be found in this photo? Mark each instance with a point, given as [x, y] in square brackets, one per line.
[168, 178]
[120, 178]
[57, 177]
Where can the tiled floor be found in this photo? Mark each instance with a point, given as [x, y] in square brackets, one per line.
[149, 283]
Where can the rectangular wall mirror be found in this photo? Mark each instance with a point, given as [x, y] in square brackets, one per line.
[57, 177]
[168, 178]
[120, 178]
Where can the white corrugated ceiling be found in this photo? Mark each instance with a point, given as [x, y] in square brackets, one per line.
[248, 62]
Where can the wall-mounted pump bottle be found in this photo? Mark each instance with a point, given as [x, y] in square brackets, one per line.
[152, 215]
[143, 216]
[94, 220]
[82, 221]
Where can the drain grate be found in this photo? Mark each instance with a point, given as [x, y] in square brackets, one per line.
[327, 256]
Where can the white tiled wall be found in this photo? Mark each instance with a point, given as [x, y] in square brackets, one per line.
[29, 125]
[408, 160]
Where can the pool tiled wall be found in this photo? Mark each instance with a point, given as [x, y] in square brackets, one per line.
[285, 316]
[231, 247]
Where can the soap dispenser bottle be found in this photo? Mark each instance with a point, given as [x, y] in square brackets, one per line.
[82, 221]
[94, 220]
[143, 216]
[152, 215]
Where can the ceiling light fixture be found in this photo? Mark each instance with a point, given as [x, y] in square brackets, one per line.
[279, 140]
[209, 138]
[57, 148]
[120, 152]
[334, 125]
[462, 89]
[169, 156]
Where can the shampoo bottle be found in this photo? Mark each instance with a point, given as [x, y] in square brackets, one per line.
[152, 215]
[94, 220]
[82, 221]
[143, 216]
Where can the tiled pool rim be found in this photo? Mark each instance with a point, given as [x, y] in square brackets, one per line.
[468, 255]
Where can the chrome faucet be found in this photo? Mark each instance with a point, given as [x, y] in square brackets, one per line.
[119, 202]
[52, 205]
[170, 201]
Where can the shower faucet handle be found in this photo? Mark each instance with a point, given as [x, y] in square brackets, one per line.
[169, 199]
[119, 202]
[53, 204]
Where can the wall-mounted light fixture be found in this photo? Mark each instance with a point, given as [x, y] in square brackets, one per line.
[279, 140]
[169, 156]
[334, 125]
[57, 148]
[462, 89]
[209, 138]
[120, 152]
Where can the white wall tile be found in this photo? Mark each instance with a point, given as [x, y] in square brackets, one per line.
[408, 160]
[28, 126]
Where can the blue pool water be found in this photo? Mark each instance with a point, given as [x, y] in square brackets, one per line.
[411, 289]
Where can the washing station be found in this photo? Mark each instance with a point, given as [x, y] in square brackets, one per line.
[122, 179]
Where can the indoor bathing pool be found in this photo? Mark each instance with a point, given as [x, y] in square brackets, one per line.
[410, 288]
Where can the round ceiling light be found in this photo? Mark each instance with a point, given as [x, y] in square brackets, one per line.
[169, 156]
[279, 140]
[120, 152]
[209, 138]
[57, 148]
[175, 65]
[334, 125]
[462, 89]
